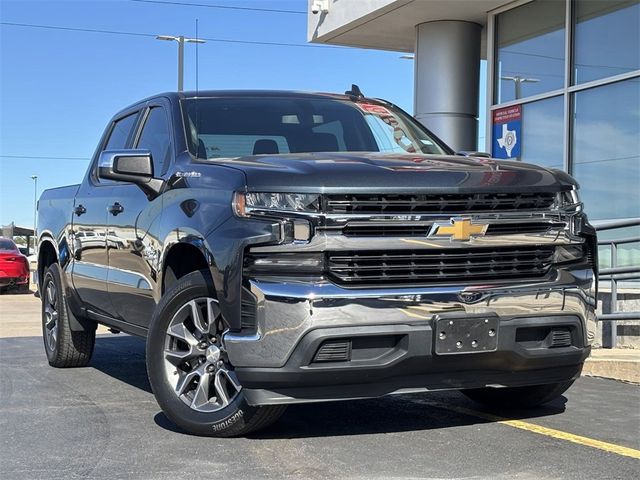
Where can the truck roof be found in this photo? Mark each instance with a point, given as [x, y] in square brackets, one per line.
[175, 96]
[257, 93]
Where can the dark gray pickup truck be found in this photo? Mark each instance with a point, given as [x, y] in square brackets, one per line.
[283, 247]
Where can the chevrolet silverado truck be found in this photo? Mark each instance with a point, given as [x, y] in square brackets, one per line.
[278, 247]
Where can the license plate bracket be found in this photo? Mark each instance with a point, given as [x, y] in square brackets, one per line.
[466, 335]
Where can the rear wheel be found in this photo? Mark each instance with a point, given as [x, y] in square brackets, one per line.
[518, 397]
[189, 370]
[64, 346]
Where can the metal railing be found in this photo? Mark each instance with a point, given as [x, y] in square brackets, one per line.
[615, 274]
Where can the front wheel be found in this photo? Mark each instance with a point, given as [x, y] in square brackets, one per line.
[518, 397]
[189, 371]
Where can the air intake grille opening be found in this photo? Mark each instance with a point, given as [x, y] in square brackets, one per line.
[247, 310]
[334, 351]
[413, 267]
[560, 338]
[438, 203]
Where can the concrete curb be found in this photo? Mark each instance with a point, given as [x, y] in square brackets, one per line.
[616, 363]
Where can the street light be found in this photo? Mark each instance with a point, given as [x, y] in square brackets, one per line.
[35, 209]
[518, 81]
[181, 41]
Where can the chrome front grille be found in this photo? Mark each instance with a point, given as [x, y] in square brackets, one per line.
[371, 229]
[417, 267]
[437, 203]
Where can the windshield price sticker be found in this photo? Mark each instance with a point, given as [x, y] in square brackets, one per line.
[374, 109]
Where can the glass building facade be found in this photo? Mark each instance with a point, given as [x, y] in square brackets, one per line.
[573, 67]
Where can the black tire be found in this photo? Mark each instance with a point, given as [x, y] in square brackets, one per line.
[518, 397]
[234, 419]
[68, 348]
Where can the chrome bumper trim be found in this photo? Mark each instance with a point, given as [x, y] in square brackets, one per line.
[287, 311]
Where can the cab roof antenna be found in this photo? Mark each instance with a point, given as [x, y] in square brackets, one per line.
[355, 92]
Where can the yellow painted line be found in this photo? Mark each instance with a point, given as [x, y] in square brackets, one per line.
[418, 307]
[413, 315]
[548, 432]
[441, 309]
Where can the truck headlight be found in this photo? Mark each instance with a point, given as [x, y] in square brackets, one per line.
[252, 202]
[568, 254]
[568, 200]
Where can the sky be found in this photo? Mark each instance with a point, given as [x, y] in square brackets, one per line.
[59, 88]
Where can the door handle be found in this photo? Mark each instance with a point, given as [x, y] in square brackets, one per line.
[115, 209]
[79, 210]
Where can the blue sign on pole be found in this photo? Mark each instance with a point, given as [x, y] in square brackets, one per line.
[507, 132]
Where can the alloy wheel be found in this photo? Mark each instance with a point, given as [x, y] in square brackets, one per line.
[196, 363]
[51, 315]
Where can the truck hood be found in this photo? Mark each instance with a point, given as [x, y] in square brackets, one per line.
[378, 172]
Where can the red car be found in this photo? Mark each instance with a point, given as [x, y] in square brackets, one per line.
[14, 266]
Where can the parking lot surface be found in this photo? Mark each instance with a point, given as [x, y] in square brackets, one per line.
[102, 422]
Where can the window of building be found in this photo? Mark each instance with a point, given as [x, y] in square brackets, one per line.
[530, 50]
[543, 132]
[120, 132]
[606, 39]
[606, 149]
[156, 138]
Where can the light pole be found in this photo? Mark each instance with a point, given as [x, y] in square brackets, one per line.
[518, 81]
[35, 209]
[181, 41]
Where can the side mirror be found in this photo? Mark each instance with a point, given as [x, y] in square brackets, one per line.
[131, 166]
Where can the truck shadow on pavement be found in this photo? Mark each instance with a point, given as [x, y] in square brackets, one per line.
[122, 357]
[390, 414]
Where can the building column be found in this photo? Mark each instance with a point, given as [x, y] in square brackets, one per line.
[447, 75]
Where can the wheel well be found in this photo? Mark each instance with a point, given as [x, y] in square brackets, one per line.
[181, 260]
[46, 257]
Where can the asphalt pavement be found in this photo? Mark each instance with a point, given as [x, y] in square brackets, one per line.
[102, 422]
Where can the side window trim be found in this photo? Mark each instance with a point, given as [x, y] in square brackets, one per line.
[137, 133]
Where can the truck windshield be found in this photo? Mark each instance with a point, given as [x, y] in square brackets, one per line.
[236, 127]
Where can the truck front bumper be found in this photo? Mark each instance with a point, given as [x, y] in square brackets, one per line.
[391, 338]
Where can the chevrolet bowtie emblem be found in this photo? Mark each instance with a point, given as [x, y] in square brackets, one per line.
[458, 229]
